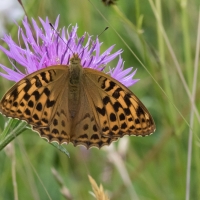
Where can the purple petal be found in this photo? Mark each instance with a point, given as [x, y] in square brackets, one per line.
[44, 47]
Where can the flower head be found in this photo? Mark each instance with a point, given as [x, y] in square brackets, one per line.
[45, 47]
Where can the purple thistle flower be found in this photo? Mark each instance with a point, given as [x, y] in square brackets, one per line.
[45, 48]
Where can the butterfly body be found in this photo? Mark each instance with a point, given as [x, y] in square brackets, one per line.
[78, 105]
[74, 84]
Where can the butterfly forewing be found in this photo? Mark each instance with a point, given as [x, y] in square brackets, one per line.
[36, 97]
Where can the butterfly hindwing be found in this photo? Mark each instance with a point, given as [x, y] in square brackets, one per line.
[59, 129]
[86, 129]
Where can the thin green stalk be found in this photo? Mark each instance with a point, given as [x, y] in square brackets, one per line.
[35, 172]
[137, 12]
[14, 178]
[196, 159]
[12, 129]
[186, 42]
[133, 27]
[189, 157]
[28, 173]
[161, 50]
[176, 63]
[139, 44]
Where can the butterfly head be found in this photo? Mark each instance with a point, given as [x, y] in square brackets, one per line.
[75, 60]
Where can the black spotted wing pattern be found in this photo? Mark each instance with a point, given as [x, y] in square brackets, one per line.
[118, 111]
[86, 129]
[36, 99]
[105, 109]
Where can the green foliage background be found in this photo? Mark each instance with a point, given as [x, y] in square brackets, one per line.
[156, 165]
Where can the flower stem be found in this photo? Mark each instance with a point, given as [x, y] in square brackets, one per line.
[12, 129]
[15, 127]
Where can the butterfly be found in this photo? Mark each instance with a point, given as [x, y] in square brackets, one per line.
[69, 103]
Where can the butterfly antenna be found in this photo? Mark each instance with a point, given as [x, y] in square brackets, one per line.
[103, 31]
[59, 36]
[67, 44]
[97, 37]
[20, 2]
